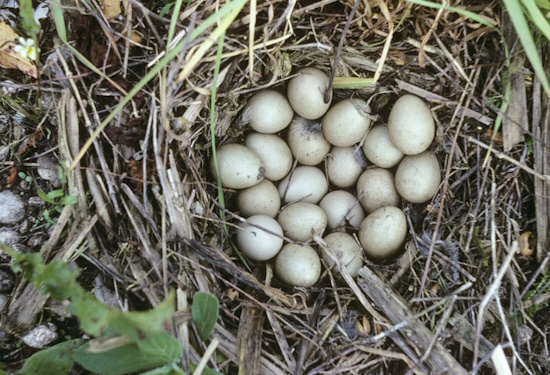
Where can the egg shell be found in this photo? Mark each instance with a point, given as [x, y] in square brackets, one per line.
[274, 152]
[344, 165]
[410, 125]
[300, 220]
[262, 198]
[342, 208]
[239, 166]
[268, 111]
[305, 183]
[417, 177]
[298, 265]
[306, 141]
[379, 150]
[259, 244]
[383, 232]
[376, 188]
[347, 250]
[346, 122]
[306, 93]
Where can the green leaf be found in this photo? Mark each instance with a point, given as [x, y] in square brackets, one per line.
[56, 360]
[54, 194]
[206, 371]
[69, 200]
[544, 4]
[27, 13]
[204, 312]
[92, 313]
[135, 324]
[161, 344]
[57, 15]
[127, 358]
[172, 369]
[45, 197]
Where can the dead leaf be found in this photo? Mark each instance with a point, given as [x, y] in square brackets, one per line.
[111, 8]
[12, 175]
[8, 57]
[527, 243]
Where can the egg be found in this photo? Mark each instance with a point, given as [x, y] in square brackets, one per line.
[255, 242]
[306, 93]
[239, 166]
[262, 198]
[417, 177]
[268, 111]
[306, 141]
[342, 208]
[376, 188]
[411, 126]
[344, 165]
[274, 152]
[305, 183]
[347, 122]
[382, 233]
[345, 248]
[298, 265]
[379, 150]
[301, 220]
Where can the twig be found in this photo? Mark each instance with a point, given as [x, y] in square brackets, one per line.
[328, 93]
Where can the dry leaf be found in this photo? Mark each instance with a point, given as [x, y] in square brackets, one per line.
[9, 58]
[111, 8]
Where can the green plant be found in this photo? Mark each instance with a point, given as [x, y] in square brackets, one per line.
[24, 177]
[57, 198]
[539, 288]
[122, 342]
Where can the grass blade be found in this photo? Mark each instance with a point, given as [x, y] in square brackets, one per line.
[170, 55]
[466, 13]
[524, 34]
[537, 17]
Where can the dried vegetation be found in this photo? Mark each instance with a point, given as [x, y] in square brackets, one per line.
[461, 299]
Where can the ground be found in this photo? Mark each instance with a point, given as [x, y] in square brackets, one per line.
[111, 165]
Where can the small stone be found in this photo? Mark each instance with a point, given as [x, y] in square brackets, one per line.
[3, 300]
[7, 282]
[525, 334]
[12, 209]
[40, 336]
[47, 169]
[11, 238]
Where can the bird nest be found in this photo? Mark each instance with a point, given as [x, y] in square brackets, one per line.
[466, 294]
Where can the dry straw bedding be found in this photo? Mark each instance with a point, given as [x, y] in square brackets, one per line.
[443, 307]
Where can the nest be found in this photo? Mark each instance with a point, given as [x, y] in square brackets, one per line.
[149, 218]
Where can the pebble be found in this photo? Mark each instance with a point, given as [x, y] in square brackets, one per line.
[47, 169]
[7, 282]
[40, 336]
[11, 238]
[12, 209]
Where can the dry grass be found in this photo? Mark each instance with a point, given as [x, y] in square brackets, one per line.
[148, 218]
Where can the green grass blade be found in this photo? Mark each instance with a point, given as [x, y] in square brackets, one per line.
[466, 13]
[524, 33]
[169, 56]
[57, 14]
[544, 4]
[351, 82]
[537, 17]
[173, 22]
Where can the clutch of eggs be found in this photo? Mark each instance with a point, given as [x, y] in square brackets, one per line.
[303, 172]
